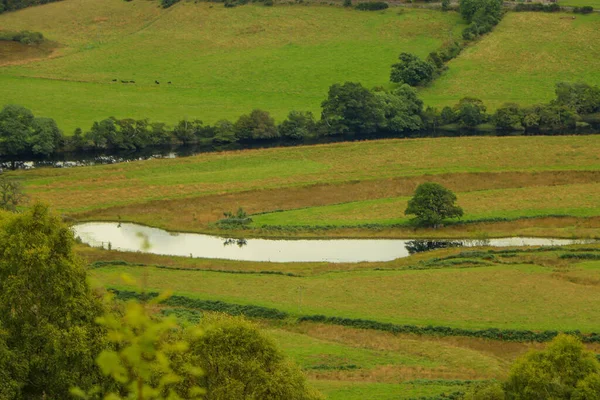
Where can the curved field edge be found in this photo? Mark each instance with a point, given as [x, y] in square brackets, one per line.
[503, 294]
[581, 200]
[106, 186]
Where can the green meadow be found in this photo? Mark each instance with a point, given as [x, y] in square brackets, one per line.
[569, 200]
[222, 62]
[521, 60]
[514, 296]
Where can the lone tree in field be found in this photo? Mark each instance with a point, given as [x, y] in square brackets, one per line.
[432, 203]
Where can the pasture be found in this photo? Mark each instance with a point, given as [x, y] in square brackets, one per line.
[222, 62]
[500, 295]
[521, 61]
[339, 184]
[531, 289]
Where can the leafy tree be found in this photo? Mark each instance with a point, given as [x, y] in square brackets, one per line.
[432, 204]
[46, 138]
[15, 129]
[509, 117]
[470, 112]
[580, 97]
[587, 388]
[11, 371]
[478, 10]
[401, 109]
[47, 309]
[298, 125]
[11, 194]
[240, 362]
[486, 391]
[553, 373]
[256, 126]
[146, 359]
[448, 116]
[351, 108]
[77, 141]
[186, 131]
[412, 70]
[224, 132]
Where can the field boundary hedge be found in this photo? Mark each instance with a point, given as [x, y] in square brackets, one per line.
[252, 311]
[506, 335]
[206, 305]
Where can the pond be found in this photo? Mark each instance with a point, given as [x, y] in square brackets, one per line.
[133, 237]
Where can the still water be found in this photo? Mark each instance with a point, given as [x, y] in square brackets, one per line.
[133, 237]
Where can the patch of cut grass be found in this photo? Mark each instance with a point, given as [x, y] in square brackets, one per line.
[522, 60]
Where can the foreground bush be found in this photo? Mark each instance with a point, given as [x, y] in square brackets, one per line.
[565, 370]
[48, 335]
[240, 362]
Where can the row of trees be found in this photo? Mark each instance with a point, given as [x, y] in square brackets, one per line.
[481, 15]
[59, 337]
[572, 101]
[350, 109]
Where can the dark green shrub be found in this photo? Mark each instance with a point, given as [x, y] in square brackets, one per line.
[412, 70]
[167, 3]
[583, 10]
[207, 305]
[372, 6]
[347, 3]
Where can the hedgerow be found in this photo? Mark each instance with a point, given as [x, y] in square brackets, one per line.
[507, 335]
[207, 305]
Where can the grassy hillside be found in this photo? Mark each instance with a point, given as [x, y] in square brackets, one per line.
[522, 59]
[222, 62]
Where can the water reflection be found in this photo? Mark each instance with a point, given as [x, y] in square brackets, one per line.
[420, 246]
[239, 242]
[133, 237]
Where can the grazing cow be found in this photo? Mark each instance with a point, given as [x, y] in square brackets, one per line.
[157, 82]
[114, 80]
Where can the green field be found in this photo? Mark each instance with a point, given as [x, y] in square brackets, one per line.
[573, 200]
[522, 60]
[338, 184]
[580, 3]
[525, 289]
[222, 62]
[516, 296]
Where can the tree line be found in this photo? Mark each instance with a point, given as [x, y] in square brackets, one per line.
[350, 109]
